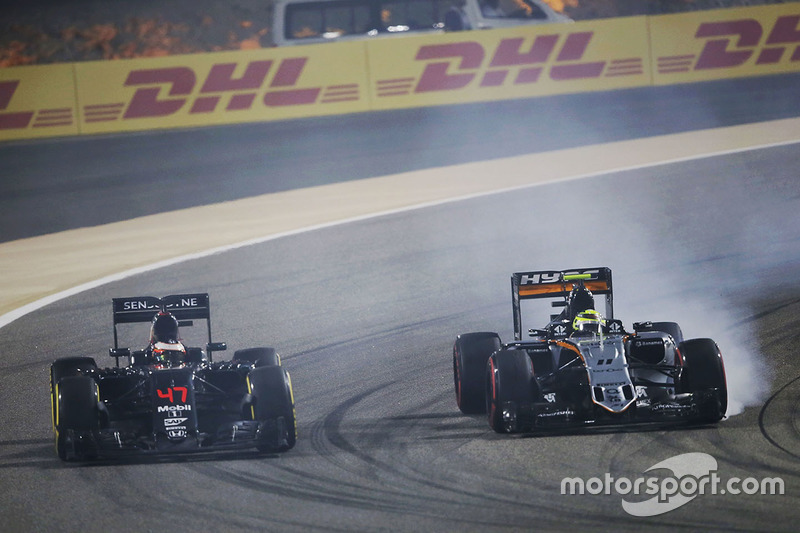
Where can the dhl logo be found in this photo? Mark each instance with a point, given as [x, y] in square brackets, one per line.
[734, 43]
[221, 87]
[514, 61]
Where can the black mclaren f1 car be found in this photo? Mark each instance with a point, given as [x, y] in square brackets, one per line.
[169, 397]
[583, 368]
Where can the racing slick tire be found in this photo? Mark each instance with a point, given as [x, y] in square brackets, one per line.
[704, 376]
[273, 405]
[670, 328]
[509, 381]
[65, 367]
[258, 356]
[77, 414]
[470, 353]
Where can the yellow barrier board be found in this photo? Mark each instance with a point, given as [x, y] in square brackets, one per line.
[397, 72]
[519, 62]
[726, 43]
[222, 88]
[37, 101]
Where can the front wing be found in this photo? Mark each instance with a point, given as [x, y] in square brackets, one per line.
[687, 407]
[111, 442]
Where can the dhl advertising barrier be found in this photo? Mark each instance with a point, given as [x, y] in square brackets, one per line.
[397, 72]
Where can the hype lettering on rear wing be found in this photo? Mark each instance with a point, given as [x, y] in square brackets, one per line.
[557, 285]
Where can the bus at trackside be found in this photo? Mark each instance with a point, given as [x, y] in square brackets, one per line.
[317, 21]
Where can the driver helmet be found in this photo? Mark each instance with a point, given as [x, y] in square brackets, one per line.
[164, 328]
[588, 321]
[164, 339]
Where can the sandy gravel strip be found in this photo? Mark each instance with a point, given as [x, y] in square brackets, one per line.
[39, 270]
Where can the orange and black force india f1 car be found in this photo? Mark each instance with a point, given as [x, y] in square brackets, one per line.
[583, 367]
[170, 397]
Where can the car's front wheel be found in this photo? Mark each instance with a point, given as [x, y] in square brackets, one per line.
[509, 382]
[77, 415]
[272, 404]
[66, 367]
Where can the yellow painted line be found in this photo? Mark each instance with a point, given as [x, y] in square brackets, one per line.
[41, 269]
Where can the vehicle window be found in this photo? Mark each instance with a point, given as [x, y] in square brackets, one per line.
[536, 12]
[422, 14]
[362, 23]
[303, 22]
[516, 9]
[338, 21]
[415, 14]
[326, 19]
[333, 19]
[394, 16]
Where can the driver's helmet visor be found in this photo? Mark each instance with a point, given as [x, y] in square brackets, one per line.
[589, 321]
[589, 325]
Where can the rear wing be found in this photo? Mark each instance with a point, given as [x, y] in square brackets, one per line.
[143, 309]
[557, 284]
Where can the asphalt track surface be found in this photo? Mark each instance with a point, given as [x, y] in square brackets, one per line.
[365, 314]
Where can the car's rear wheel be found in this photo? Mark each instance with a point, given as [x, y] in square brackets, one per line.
[258, 356]
[77, 414]
[509, 382]
[470, 353]
[273, 405]
[704, 376]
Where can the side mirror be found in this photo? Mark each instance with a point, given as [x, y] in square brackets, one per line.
[116, 353]
[216, 347]
[119, 352]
